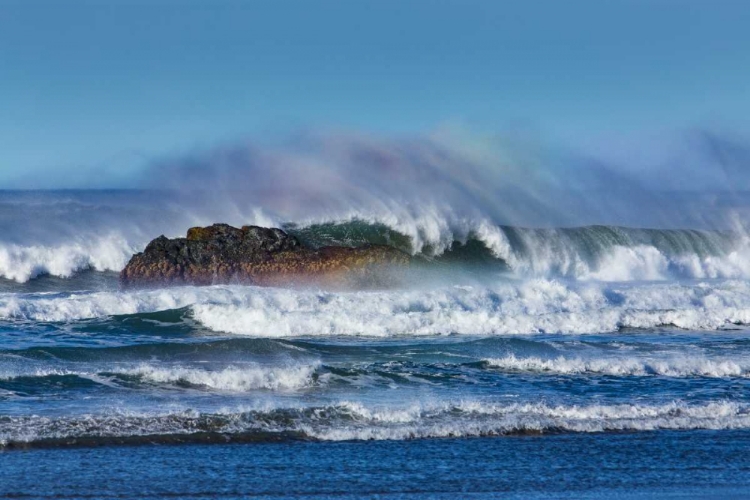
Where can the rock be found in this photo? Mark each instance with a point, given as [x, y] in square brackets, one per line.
[260, 256]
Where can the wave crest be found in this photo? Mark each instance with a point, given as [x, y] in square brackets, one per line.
[22, 263]
[669, 367]
[599, 253]
[356, 421]
[232, 378]
[534, 306]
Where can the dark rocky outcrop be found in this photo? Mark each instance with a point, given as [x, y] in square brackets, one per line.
[255, 255]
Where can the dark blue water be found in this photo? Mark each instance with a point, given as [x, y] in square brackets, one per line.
[663, 464]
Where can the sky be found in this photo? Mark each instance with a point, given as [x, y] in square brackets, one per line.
[91, 91]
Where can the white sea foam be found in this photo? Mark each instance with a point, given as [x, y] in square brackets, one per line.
[554, 253]
[474, 418]
[239, 378]
[83, 305]
[673, 366]
[557, 253]
[22, 371]
[106, 253]
[236, 378]
[535, 306]
[357, 421]
[529, 307]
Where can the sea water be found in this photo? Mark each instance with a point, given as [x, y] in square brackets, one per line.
[599, 361]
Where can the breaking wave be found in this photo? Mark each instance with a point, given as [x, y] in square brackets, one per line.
[527, 207]
[233, 378]
[682, 366]
[530, 306]
[355, 421]
[239, 378]
[602, 253]
[22, 263]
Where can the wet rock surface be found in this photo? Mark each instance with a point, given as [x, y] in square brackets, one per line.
[221, 254]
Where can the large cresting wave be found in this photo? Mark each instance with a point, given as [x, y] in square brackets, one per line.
[525, 207]
[602, 253]
[605, 253]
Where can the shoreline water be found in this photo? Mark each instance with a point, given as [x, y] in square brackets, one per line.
[668, 464]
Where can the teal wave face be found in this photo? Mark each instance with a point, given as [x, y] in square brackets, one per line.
[609, 253]
[353, 233]
[591, 252]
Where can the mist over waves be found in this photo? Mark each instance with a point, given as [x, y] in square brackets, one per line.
[513, 196]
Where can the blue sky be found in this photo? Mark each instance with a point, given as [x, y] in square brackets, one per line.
[88, 86]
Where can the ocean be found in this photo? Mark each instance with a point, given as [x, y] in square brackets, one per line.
[598, 361]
